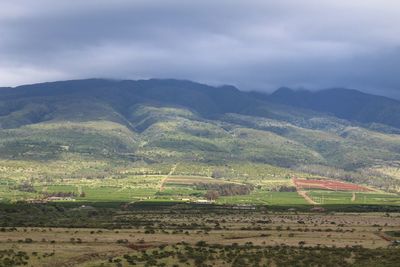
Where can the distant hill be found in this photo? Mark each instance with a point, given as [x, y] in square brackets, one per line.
[347, 104]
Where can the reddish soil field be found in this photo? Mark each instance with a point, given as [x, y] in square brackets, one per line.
[328, 185]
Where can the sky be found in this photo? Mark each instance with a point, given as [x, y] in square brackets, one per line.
[252, 44]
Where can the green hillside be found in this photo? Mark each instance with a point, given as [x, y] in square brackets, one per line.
[113, 129]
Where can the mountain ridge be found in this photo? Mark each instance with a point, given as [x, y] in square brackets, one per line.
[173, 121]
[344, 103]
[355, 105]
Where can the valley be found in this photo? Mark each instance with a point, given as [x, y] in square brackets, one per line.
[182, 183]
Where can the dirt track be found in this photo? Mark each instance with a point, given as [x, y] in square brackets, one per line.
[353, 197]
[167, 176]
[303, 193]
[306, 197]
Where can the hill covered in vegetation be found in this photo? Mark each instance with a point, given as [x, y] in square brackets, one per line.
[145, 122]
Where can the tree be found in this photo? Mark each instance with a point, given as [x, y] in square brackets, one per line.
[212, 195]
[217, 173]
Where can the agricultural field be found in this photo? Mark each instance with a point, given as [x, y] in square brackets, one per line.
[334, 185]
[262, 197]
[355, 198]
[145, 184]
[77, 179]
[178, 180]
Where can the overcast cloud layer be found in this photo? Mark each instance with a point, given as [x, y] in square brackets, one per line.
[255, 45]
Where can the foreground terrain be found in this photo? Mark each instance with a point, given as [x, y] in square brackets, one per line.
[195, 235]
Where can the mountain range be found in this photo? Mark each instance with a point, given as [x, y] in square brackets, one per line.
[167, 120]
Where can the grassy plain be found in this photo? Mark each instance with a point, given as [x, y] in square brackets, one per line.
[198, 235]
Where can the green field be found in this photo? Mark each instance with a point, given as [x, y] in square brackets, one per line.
[133, 188]
[265, 198]
[111, 181]
[331, 197]
[96, 192]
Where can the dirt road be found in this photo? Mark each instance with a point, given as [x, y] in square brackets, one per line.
[306, 197]
[167, 176]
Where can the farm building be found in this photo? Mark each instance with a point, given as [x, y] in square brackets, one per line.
[60, 199]
[36, 201]
[204, 201]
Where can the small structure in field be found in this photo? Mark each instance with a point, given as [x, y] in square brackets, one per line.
[60, 199]
[204, 201]
[244, 207]
[36, 201]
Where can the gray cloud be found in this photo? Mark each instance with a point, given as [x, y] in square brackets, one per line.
[253, 44]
